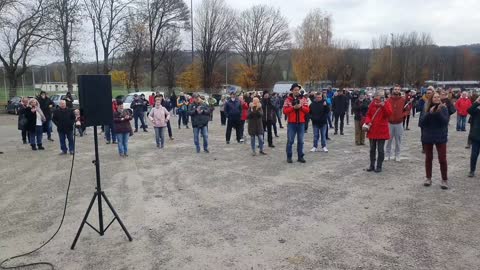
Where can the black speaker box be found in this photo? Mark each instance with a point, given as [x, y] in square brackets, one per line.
[95, 97]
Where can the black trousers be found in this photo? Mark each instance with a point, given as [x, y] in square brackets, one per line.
[237, 125]
[169, 128]
[377, 145]
[223, 118]
[267, 126]
[340, 116]
[25, 135]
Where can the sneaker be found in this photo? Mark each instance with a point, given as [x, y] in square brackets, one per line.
[289, 160]
[471, 174]
[50, 139]
[108, 142]
[444, 185]
[206, 151]
[136, 130]
[427, 182]
[301, 160]
[325, 149]
[145, 130]
[341, 133]
[158, 145]
[254, 153]
[263, 153]
[114, 142]
[314, 149]
[241, 141]
[271, 146]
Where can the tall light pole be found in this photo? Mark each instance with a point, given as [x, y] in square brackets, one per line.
[391, 59]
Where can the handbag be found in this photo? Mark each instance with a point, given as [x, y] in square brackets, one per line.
[365, 126]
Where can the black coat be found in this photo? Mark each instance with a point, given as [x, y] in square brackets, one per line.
[255, 125]
[435, 126]
[474, 112]
[22, 119]
[199, 119]
[340, 104]
[64, 119]
[360, 109]
[319, 113]
[269, 110]
[31, 119]
[45, 106]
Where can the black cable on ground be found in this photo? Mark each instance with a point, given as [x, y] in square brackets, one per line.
[53, 236]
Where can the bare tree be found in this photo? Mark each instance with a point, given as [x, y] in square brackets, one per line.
[66, 17]
[260, 33]
[213, 34]
[171, 59]
[22, 31]
[107, 17]
[134, 47]
[163, 16]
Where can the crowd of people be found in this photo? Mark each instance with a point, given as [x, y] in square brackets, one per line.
[382, 118]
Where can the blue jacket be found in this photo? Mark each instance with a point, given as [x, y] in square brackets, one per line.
[435, 126]
[233, 109]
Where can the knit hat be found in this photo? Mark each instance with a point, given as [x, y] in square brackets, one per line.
[295, 85]
[264, 93]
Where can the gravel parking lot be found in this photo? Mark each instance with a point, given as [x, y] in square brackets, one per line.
[229, 210]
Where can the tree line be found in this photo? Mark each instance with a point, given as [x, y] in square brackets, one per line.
[140, 43]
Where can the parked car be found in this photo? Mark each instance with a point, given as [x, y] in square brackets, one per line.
[56, 99]
[13, 105]
[127, 100]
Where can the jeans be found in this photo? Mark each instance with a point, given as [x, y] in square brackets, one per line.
[278, 113]
[292, 131]
[320, 132]
[396, 132]
[139, 115]
[474, 155]
[461, 122]
[196, 140]
[329, 118]
[160, 136]
[342, 117]
[62, 136]
[237, 124]
[442, 158]
[260, 142]
[110, 133]
[377, 145]
[122, 139]
[182, 116]
[38, 134]
[48, 125]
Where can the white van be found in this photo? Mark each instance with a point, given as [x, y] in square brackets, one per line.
[127, 100]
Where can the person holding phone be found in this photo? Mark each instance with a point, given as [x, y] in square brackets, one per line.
[255, 125]
[122, 128]
[474, 135]
[35, 122]
[377, 119]
[434, 122]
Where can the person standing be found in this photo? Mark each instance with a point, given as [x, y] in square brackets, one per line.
[339, 107]
[173, 104]
[268, 117]
[295, 108]
[46, 105]
[22, 120]
[397, 102]
[137, 106]
[69, 100]
[110, 136]
[360, 109]
[182, 105]
[223, 117]
[377, 117]
[255, 125]
[145, 107]
[167, 105]
[35, 121]
[462, 105]
[64, 119]
[407, 110]
[233, 111]
[318, 114]
[122, 128]
[200, 114]
[278, 103]
[474, 136]
[159, 116]
[421, 107]
[244, 116]
[434, 122]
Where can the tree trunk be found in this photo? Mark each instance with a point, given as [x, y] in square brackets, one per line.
[152, 69]
[12, 83]
[69, 70]
[105, 62]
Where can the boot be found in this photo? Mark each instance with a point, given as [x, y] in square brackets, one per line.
[371, 168]
[379, 167]
[40, 147]
[34, 147]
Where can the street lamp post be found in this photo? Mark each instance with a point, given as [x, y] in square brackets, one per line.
[391, 58]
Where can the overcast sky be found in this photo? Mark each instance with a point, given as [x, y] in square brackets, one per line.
[450, 22]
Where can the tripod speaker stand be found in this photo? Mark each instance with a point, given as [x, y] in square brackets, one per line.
[95, 93]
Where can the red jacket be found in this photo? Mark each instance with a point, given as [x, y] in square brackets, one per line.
[462, 105]
[295, 116]
[379, 129]
[398, 110]
[151, 100]
[245, 107]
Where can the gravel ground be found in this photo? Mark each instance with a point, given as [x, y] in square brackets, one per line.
[229, 210]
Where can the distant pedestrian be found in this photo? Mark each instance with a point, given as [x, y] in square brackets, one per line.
[69, 100]
[223, 117]
[360, 109]
[159, 116]
[474, 137]
[22, 120]
[35, 121]
[199, 111]
[339, 108]
[421, 107]
[397, 102]
[64, 119]
[79, 122]
[434, 122]
[233, 111]
[318, 114]
[377, 119]
[122, 128]
[110, 136]
[462, 105]
[268, 117]
[182, 105]
[138, 107]
[255, 126]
